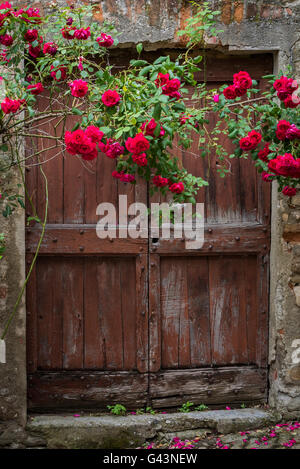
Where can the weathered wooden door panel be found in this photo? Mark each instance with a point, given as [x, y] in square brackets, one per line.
[208, 310]
[88, 313]
[90, 338]
[212, 386]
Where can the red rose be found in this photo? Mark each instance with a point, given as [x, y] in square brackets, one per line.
[292, 101]
[127, 178]
[82, 33]
[138, 144]
[280, 84]
[113, 149]
[160, 181]
[177, 187]
[34, 51]
[289, 191]
[240, 91]
[50, 48]
[123, 177]
[266, 176]
[140, 159]
[246, 144]
[105, 40]
[293, 132]
[263, 154]
[282, 128]
[283, 94]
[90, 156]
[66, 32]
[148, 128]
[9, 106]
[79, 88]
[6, 40]
[251, 141]
[110, 98]
[31, 35]
[73, 140]
[255, 137]
[242, 80]
[171, 87]
[63, 71]
[161, 79]
[230, 92]
[32, 13]
[94, 133]
[285, 165]
[35, 89]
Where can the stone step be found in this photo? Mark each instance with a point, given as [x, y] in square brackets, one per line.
[132, 431]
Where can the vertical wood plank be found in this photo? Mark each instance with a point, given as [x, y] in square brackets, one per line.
[50, 305]
[227, 309]
[142, 315]
[129, 300]
[93, 330]
[155, 320]
[184, 345]
[72, 274]
[111, 311]
[198, 297]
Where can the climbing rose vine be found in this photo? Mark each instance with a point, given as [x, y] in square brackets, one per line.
[135, 115]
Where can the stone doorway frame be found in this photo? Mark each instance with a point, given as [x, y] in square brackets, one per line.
[284, 325]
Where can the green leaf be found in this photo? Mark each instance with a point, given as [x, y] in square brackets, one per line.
[163, 98]
[21, 203]
[179, 107]
[138, 63]
[76, 126]
[77, 111]
[198, 59]
[156, 112]
[145, 70]
[4, 147]
[105, 130]
[139, 48]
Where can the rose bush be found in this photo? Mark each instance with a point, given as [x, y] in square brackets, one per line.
[274, 141]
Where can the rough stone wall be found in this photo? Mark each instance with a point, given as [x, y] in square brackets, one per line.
[247, 26]
[12, 274]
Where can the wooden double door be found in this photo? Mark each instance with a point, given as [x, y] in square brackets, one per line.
[146, 321]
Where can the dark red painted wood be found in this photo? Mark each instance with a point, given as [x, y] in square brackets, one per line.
[135, 322]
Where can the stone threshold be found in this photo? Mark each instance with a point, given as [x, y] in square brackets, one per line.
[132, 431]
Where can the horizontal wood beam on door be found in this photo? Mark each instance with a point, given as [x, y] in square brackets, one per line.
[81, 239]
[220, 239]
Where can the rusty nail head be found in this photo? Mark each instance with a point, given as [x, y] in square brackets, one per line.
[81, 248]
[237, 238]
[210, 230]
